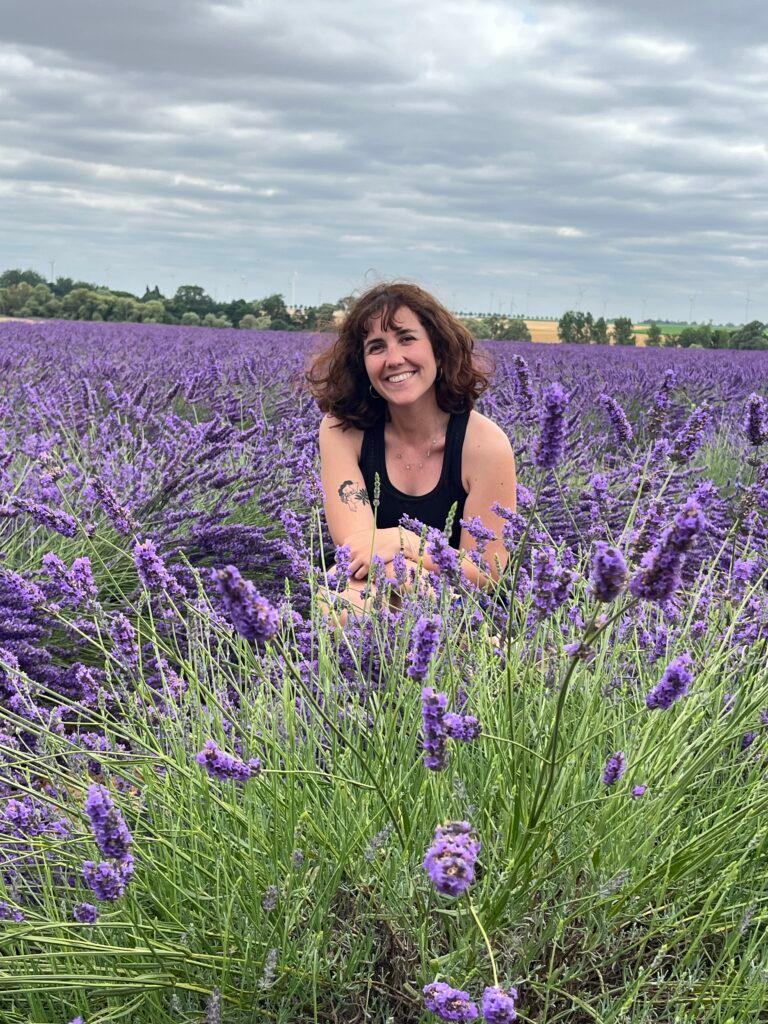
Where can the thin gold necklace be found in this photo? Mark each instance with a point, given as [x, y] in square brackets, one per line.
[420, 465]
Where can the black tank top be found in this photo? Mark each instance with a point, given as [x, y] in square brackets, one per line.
[431, 508]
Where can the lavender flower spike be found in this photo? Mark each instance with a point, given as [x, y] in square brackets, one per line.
[463, 728]
[673, 685]
[433, 707]
[109, 829]
[108, 879]
[552, 436]
[622, 428]
[151, 568]
[609, 572]
[85, 913]
[450, 860]
[659, 574]
[615, 767]
[221, 765]
[449, 1003]
[756, 420]
[251, 614]
[499, 1006]
[426, 637]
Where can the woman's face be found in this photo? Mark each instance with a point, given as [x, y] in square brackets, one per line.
[400, 362]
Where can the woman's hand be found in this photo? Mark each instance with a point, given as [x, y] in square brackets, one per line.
[384, 543]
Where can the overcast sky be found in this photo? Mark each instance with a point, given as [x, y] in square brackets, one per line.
[506, 155]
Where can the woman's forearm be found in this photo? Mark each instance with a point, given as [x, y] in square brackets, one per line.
[469, 570]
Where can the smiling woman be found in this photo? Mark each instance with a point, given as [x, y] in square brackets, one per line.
[398, 387]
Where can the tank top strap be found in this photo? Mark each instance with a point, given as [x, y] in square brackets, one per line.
[454, 444]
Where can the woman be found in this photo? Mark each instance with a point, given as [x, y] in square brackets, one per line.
[398, 387]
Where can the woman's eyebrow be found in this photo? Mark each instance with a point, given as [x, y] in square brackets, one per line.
[398, 330]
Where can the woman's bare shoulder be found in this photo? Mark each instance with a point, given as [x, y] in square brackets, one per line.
[482, 435]
[335, 431]
[481, 430]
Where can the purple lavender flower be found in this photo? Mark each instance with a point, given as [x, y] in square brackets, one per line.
[659, 574]
[424, 643]
[124, 638]
[638, 791]
[270, 898]
[552, 435]
[673, 685]
[108, 879]
[342, 563]
[615, 767]
[690, 437]
[621, 425]
[551, 583]
[478, 531]
[756, 420]
[433, 707]
[449, 1003]
[443, 555]
[75, 585]
[450, 860]
[52, 518]
[85, 913]
[499, 1006]
[464, 728]
[609, 572]
[213, 1008]
[221, 765]
[251, 614]
[151, 568]
[118, 515]
[77, 1020]
[524, 390]
[109, 828]
[9, 913]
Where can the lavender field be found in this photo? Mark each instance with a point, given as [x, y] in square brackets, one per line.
[546, 802]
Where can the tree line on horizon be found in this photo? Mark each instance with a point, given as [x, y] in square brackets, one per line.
[27, 294]
[579, 328]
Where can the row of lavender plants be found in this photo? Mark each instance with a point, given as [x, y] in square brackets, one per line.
[543, 803]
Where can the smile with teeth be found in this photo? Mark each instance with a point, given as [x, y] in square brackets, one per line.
[400, 376]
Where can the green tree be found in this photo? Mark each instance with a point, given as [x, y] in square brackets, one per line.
[699, 335]
[567, 328]
[622, 331]
[15, 297]
[41, 302]
[248, 322]
[190, 319]
[191, 298]
[598, 332]
[14, 277]
[152, 312]
[275, 308]
[211, 320]
[654, 334]
[62, 285]
[751, 335]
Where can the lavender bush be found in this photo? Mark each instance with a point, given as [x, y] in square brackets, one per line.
[539, 803]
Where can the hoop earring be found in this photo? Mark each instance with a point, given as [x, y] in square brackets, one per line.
[372, 391]
[439, 373]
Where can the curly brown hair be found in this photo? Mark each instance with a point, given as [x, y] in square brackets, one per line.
[337, 377]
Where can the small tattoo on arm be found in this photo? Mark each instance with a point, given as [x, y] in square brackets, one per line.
[353, 495]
